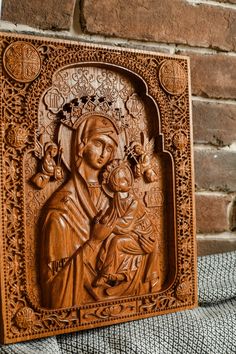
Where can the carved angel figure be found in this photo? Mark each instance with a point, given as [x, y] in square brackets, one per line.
[142, 154]
[49, 168]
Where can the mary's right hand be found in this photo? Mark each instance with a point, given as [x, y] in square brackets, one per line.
[101, 231]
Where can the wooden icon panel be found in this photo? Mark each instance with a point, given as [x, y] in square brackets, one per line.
[97, 216]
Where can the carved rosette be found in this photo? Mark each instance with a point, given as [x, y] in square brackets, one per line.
[25, 318]
[180, 140]
[23, 63]
[16, 136]
[183, 291]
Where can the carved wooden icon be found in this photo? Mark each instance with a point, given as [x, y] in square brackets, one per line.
[97, 220]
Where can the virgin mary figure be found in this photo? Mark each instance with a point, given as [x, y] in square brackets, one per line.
[67, 259]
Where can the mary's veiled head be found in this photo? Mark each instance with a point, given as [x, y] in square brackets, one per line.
[95, 142]
[90, 139]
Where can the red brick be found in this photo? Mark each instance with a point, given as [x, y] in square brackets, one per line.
[232, 215]
[50, 14]
[216, 245]
[214, 123]
[213, 75]
[215, 170]
[165, 21]
[212, 213]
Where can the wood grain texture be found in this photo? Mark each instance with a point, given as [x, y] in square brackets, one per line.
[97, 219]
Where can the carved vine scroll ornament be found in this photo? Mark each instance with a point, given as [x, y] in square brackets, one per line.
[96, 187]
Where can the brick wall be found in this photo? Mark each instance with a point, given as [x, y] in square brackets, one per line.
[204, 30]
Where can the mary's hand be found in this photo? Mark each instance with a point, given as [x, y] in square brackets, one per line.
[101, 231]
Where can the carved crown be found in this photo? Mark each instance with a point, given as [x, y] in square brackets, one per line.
[72, 111]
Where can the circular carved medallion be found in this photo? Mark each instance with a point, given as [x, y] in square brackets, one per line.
[172, 77]
[22, 61]
[25, 318]
[183, 290]
[180, 140]
[16, 136]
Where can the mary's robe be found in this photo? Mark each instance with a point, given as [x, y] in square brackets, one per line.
[67, 259]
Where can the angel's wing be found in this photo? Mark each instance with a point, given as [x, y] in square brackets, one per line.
[38, 149]
[149, 147]
[143, 138]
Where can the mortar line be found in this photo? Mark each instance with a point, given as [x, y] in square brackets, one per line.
[213, 148]
[212, 3]
[214, 100]
[231, 236]
[171, 48]
[203, 50]
[213, 193]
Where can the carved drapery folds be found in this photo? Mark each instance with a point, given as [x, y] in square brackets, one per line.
[96, 186]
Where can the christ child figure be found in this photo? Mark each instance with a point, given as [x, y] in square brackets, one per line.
[128, 232]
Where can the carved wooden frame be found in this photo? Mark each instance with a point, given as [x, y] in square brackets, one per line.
[167, 82]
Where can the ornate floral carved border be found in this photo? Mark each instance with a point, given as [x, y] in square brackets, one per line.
[27, 66]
